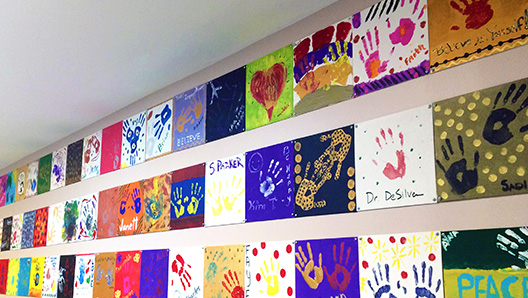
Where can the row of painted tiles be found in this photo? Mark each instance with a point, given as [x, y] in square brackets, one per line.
[267, 183]
[430, 264]
[232, 101]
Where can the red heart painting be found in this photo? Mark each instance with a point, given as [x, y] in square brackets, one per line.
[267, 86]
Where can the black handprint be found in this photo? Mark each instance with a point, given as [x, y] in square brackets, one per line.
[458, 175]
[424, 289]
[496, 130]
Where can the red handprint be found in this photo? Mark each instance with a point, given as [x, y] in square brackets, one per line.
[373, 64]
[390, 171]
[339, 268]
[232, 285]
[178, 266]
[478, 13]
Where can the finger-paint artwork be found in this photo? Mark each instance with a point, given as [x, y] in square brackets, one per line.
[3, 185]
[225, 194]
[4, 267]
[133, 145]
[12, 277]
[104, 275]
[16, 231]
[87, 220]
[35, 276]
[480, 141]
[55, 223]
[327, 268]
[91, 166]
[74, 161]
[224, 271]
[24, 277]
[186, 272]
[270, 269]
[127, 274]
[188, 197]
[154, 273]
[28, 228]
[10, 187]
[71, 217]
[269, 183]
[462, 31]
[21, 186]
[66, 276]
[400, 265]
[58, 168]
[492, 263]
[84, 276]
[131, 210]
[395, 160]
[159, 130]
[323, 68]
[226, 104]
[6, 233]
[41, 227]
[32, 179]
[108, 208]
[44, 174]
[189, 118]
[325, 173]
[112, 139]
[157, 203]
[391, 44]
[50, 279]
[269, 88]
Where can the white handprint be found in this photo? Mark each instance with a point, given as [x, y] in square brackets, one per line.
[514, 243]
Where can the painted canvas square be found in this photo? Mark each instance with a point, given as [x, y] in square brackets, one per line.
[66, 276]
[157, 202]
[108, 208]
[3, 185]
[104, 275]
[188, 197]
[24, 277]
[55, 223]
[323, 68]
[127, 274]
[87, 220]
[4, 267]
[325, 173]
[334, 265]
[16, 231]
[6, 233]
[186, 272]
[159, 130]
[32, 179]
[403, 265]
[480, 141]
[21, 186]
[224, 268]
[269, 183]
[35, 276]
[225, 195]
[40, 231]
[226, 104]
[44, 174]
[462, 31]
[131, 210]
[91, 166]
[133, 144]
[10, 187]
[28, 227]
[112, 139]
[74, 161]
[270, 269]
[154, 273]
[71, 218]
[491, 263]
[50, 278]
[189, 118]
[84, 276]
[58, 168]
[391, 44]
[12, 277]
[269, 88]
[395, 160]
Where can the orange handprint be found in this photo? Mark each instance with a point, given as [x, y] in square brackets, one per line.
[183, 119]
[196, 107]
[232, 285]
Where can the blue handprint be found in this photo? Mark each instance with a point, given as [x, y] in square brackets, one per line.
[423, 289]
[136, 206]
[163, 117]
[383, 286]
[82, 269]
[268, 181]
[213, 267]
[133, 132]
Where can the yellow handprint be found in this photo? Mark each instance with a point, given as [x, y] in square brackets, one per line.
[197, 107]
[183, 119]
[179, 209]
[306, 267]
[271, 280]
[339, 67]
[196, 189]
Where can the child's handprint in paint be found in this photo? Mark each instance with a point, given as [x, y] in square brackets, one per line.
[185, 116]
[213, 268]
[383, 286]
[268, 180]
[340, 268]
[162, 119]
[424, 286]
[306, 267]
[180, 267]
[478, 13]
[373, 64]
[458, 175]
[389, 170]
[271, 277]
[515, 243]
[232, 285]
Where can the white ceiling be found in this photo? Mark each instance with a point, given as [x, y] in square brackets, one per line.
[66, 64]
